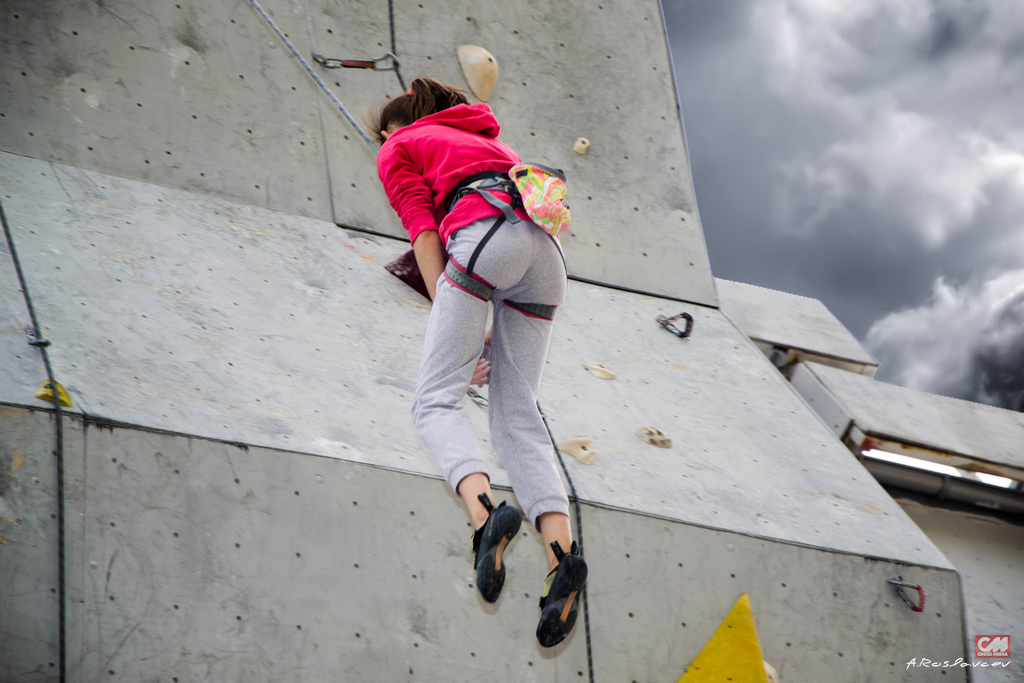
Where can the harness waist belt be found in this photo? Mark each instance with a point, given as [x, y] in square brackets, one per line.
[481, 183]
[467, 183]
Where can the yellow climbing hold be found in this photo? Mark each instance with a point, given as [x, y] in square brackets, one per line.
[733, 653]
[580, 448]
[46, 393]
[480, 69]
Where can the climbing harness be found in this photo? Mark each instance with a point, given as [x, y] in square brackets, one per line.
[374, 64]
[539, 190]
[900, 584]
[669, 324]
[484, 183]
[463, 278]
[35, 338]
[579, 538]
[309, 70]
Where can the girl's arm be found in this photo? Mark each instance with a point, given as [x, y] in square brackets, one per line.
[407, 192]
[430, 257]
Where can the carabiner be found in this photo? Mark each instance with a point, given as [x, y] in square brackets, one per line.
[332, 63]
[667, 323]
[900, 584]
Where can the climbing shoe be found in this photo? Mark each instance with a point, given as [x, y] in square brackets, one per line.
[489, 543]
[560, 597]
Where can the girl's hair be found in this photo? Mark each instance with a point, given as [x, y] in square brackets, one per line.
[426, 96]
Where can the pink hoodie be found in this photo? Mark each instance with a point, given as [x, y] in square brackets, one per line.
[422, 163]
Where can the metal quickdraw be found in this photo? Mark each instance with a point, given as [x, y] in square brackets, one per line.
[668, 324]
[332, 63]
[900, 584]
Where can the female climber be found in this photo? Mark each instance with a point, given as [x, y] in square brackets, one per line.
[435, 148]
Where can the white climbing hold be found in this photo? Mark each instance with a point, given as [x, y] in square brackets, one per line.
[769, 671]
[579, 448]
[581, 146]
[480, 69]
[654, 436]
[599, 370]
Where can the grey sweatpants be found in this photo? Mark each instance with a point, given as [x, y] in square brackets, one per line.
[524, 265]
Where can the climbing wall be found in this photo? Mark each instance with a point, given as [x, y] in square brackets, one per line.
[205, 97]
[202, 560]
[243, 376]
[193, 95]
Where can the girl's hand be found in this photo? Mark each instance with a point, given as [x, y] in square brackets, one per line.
[482, 374]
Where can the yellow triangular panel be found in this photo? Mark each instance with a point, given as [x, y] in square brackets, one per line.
[46, 393]
[733, 655]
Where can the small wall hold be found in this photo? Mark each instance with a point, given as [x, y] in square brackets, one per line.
[769, 671]
[476, 397]
[599, 370]
[581, 146]
[480, 69]
[46, 393]
[579, 448]
[654, 436]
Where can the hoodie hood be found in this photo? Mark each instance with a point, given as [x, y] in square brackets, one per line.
[474, 118]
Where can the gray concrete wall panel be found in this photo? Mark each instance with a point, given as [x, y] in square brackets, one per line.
[28, 540]
[821, 400]
[194, 95]
[599, 71]
[186, 313]
[793, 322]
[208, 561]
[989, 554]
[958, 433]
[204, 97]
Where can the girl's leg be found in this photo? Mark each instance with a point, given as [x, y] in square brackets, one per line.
[519, 348]
[470, 488]
[454, 341]
[554, 526]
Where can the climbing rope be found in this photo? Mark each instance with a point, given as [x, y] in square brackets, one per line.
[36, 340]
[309, 70]
[579, 540]
[394, 48]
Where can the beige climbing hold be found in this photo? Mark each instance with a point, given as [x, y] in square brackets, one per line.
[581, 146]
[654, 436]
[579, 448]
[769, 671]
[46, 393]
[480, 69]
[599, 370]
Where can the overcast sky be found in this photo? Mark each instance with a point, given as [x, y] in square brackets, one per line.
[869, 154]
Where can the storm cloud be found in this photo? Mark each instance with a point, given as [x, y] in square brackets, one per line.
[966, 342]
[870, 155]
